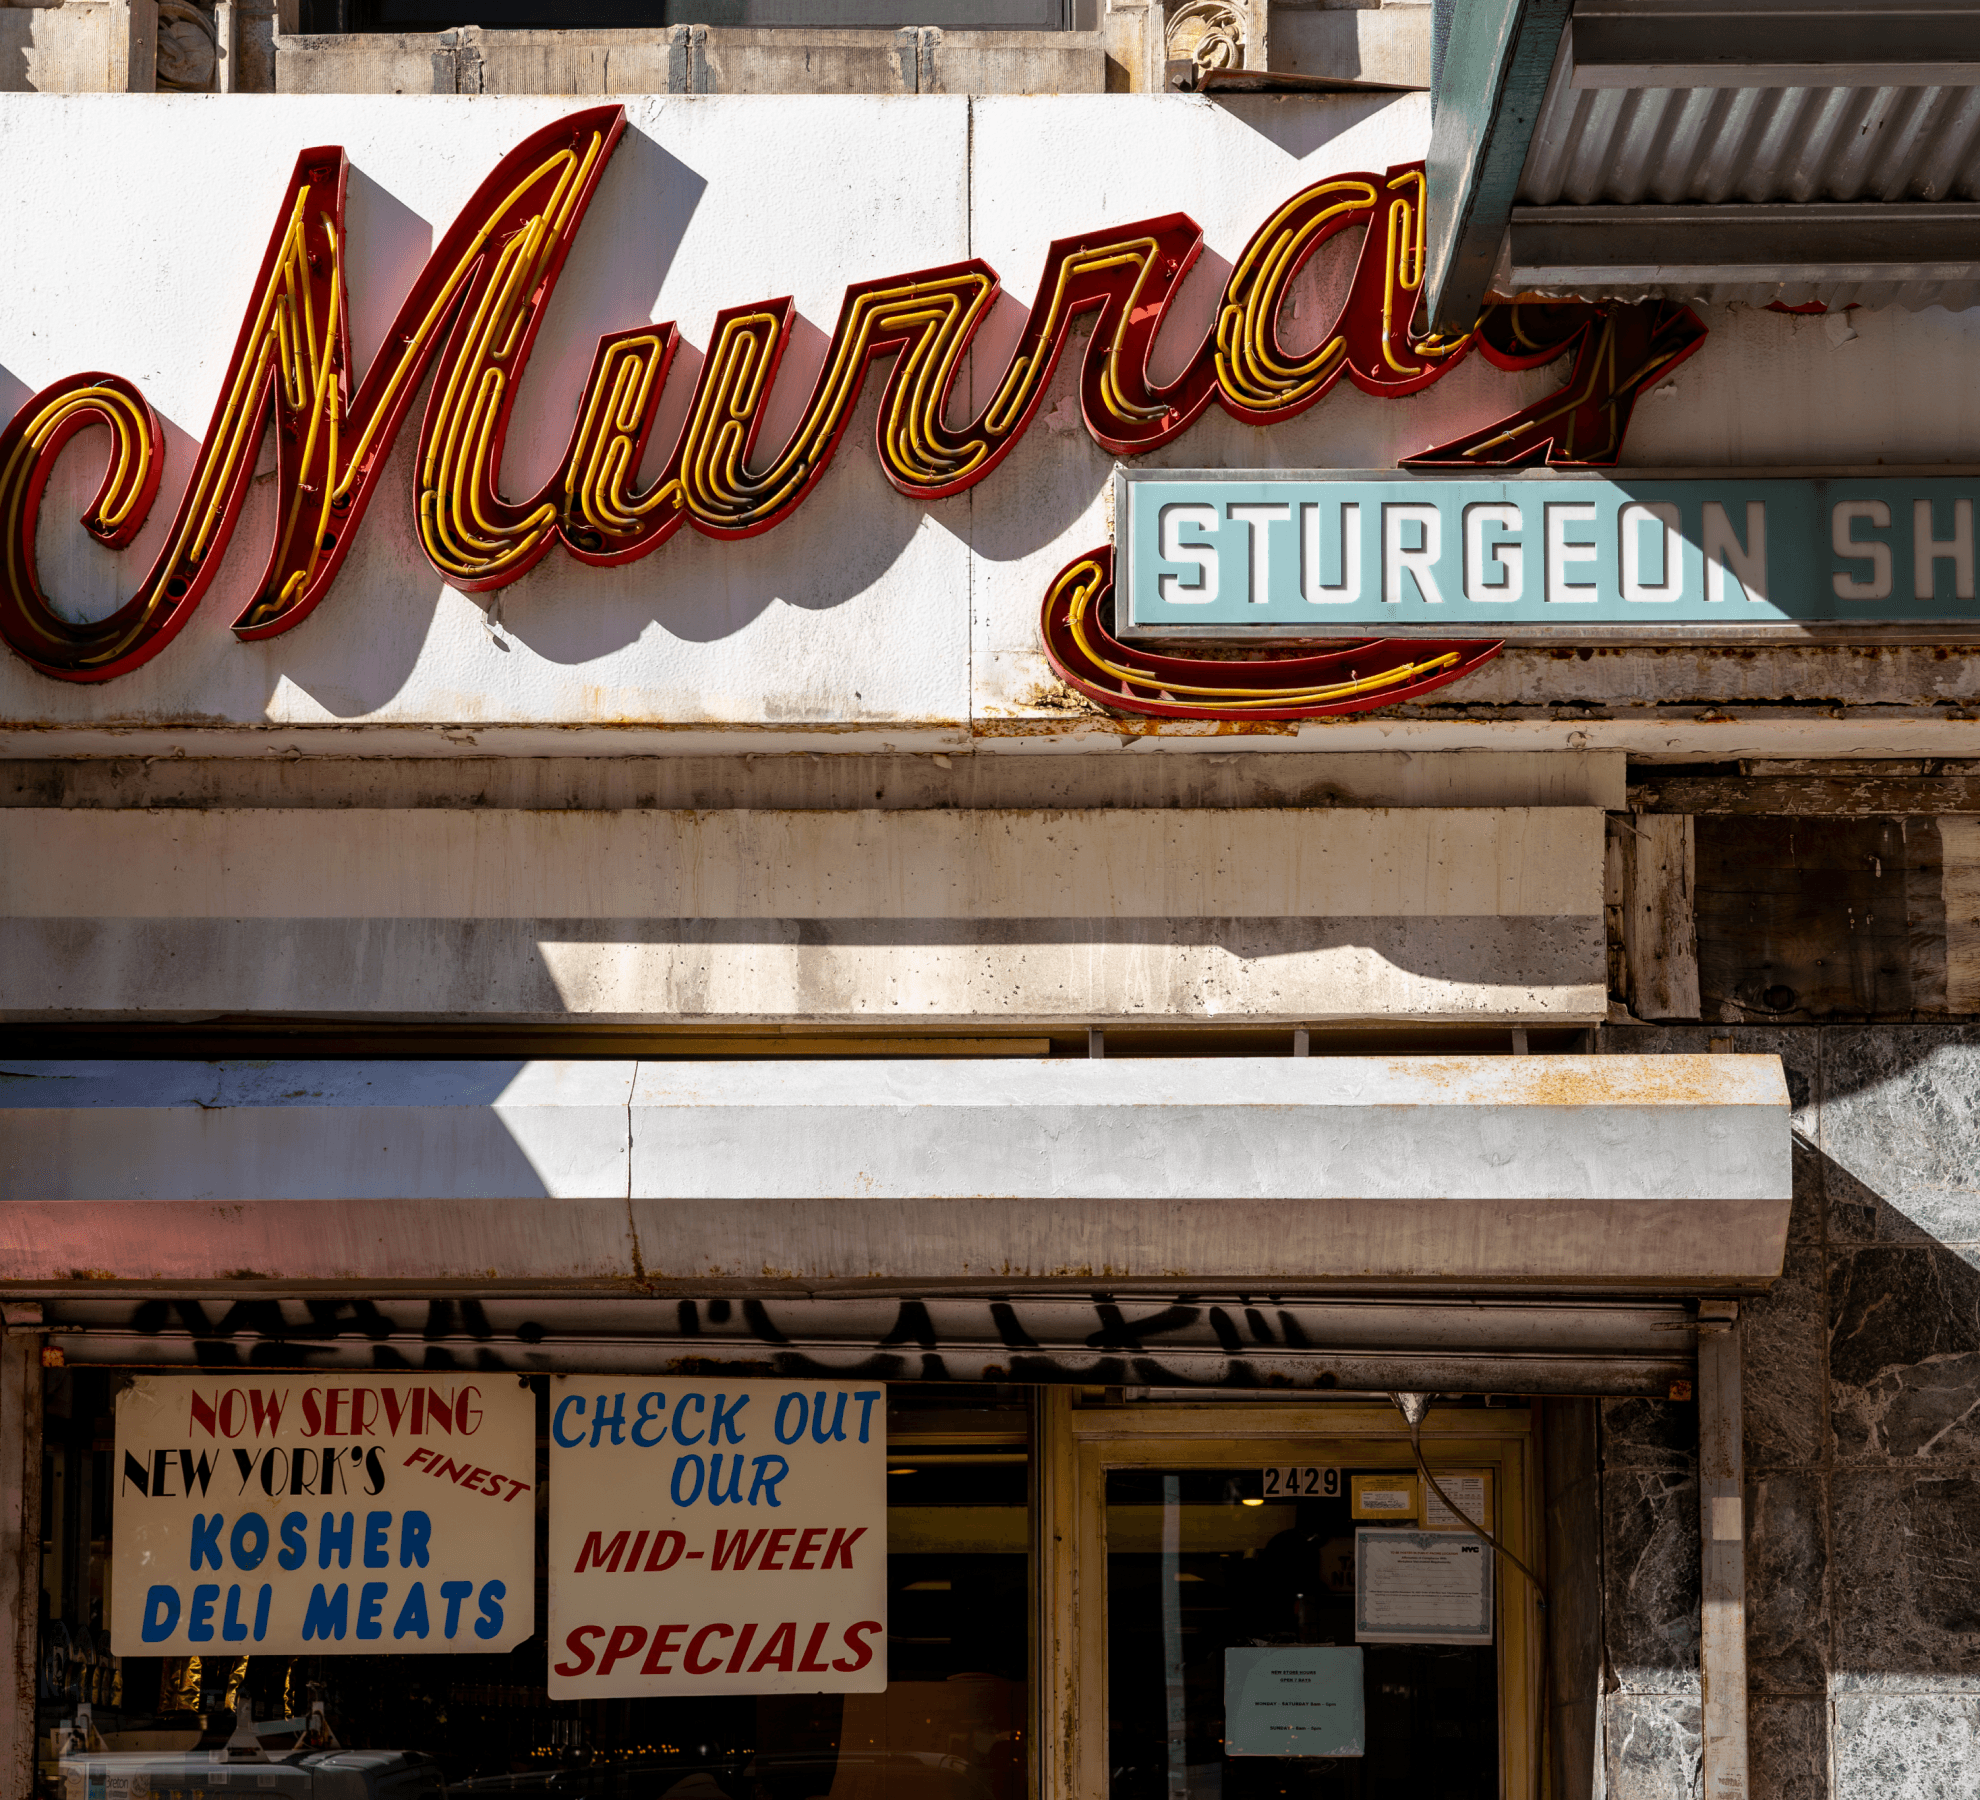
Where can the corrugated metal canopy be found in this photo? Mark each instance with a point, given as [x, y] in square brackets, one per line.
[1798, 151]
[1642, 156]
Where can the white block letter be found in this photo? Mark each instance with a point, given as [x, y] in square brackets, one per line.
[1562, 555]
[1927, 552]
[1396, 561]
[1508, 559]
[1630, 524]
[1311, 588]
[1723, 553]
[1260, 542]
[1842, 539]
[1174, 590]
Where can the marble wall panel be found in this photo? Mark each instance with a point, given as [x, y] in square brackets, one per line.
[1906, 1582]
[1652, 1747]
[1650, 1579]
[1783, 1391]
[1788, 1749]
[1787, 1569]
[1904, 1353]
[1649, 1434]
[1907, 1747]
[1862, 1398]
[1900, 1111]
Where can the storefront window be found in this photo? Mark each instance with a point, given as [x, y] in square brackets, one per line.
[1232, 1633]
[951, 1725]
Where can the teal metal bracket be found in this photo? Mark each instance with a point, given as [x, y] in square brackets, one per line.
[1496, 57]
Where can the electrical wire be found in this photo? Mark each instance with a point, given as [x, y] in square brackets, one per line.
[1413, 1407]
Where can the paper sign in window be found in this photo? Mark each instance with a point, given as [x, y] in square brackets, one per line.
[717, 1536]
[1470, 1490]
[1421, 1587]
[1293, 1700]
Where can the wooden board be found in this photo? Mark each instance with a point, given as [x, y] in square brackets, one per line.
[1804, 918]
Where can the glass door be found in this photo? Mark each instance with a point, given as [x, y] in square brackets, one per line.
[1298, 1616]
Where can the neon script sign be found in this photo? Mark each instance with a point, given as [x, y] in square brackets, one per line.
[472, 315]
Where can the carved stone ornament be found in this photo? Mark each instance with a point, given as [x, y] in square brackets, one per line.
[1208, 33]
[188, 47]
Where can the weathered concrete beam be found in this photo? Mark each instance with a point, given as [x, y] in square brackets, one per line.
[933, 916]
[1661, 1173]
[1481, 778]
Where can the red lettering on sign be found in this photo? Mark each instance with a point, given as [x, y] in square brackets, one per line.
[730, 1551]
[236, 1411]
[839, 1552]
[779, 1542]
[582, 1653]
[624, 1642]
[595, 1556]
[808, 1663]
[692, 1662]
[778, 1651]
[668, 1543]
[807, 1548]
[665, 1643]
[856, 1636]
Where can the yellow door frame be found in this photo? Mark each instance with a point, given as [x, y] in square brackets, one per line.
[1078, 1444]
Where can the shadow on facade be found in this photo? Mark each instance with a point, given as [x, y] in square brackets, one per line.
[1862, 1404]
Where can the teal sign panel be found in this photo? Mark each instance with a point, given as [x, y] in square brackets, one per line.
[1293, 1700]
[1208, 553]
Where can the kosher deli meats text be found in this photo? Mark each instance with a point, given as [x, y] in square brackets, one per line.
[717, 1537]
[279, 1515]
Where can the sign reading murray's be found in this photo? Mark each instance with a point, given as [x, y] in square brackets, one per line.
[1212, 553]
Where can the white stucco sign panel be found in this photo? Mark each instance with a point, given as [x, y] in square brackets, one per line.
[285, 1515]
[717, 1537]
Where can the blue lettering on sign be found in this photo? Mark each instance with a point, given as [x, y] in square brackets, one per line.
[1204, 553]
[161, 1614]
[331, 1613]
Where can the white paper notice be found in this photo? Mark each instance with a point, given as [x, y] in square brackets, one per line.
[1421, 1587]
[1472, 1495]
[285, 1515]
[1294, 1700]
[717, 1537]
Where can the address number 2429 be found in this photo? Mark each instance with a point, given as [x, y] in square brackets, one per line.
[1304, 1483]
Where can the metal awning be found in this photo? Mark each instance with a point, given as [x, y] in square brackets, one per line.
[1000, 1180]
[1758, 150]
[1254, 1342]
